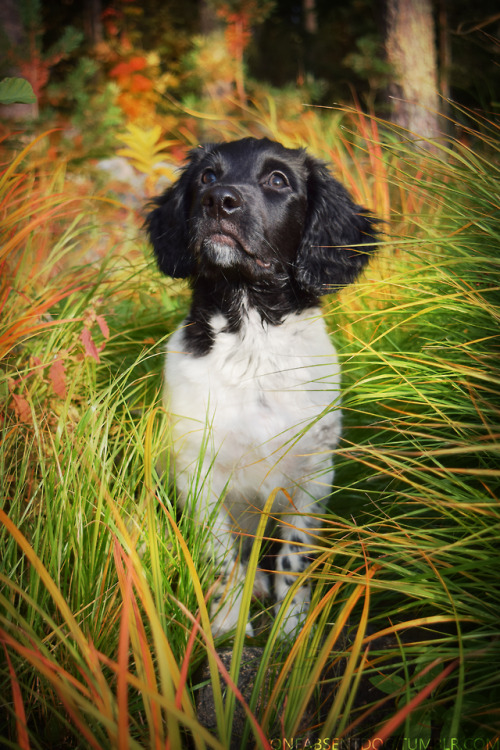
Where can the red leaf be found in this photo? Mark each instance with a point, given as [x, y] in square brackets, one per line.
[88, 343]
[140, 83]
[57, 375]
[103, 326]
[120, 71]
[137, 63]
[22, 408]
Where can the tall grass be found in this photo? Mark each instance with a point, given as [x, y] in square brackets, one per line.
[422, 374]
[103, 615]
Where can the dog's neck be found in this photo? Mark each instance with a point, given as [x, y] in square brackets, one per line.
[234, 300]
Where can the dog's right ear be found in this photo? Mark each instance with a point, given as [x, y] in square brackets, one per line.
[167, 223]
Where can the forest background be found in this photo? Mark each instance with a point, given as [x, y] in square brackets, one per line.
[143, 55]
[104, 631]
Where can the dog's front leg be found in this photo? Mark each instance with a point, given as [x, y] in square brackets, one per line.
[223, 548]
[203, 491]
[293, 558]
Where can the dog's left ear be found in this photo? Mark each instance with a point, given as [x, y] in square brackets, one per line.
[338, 235]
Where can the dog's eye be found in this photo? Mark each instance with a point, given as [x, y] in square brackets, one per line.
[277, 180]
[208, 177]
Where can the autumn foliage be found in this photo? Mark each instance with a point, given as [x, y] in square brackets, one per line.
[137, 97]
[41, 219]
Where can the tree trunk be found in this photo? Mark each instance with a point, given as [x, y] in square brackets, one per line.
[411, 50]
[310, 16]
[208, 20]
[93, 21]
[444, 55]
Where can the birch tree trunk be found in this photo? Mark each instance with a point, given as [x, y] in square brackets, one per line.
[411, 50]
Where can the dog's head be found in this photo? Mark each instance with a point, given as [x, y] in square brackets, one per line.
[261, 212]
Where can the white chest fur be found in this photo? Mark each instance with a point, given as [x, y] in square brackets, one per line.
[264, 402]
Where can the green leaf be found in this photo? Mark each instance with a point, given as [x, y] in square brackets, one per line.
[388, 683]
[16, 91]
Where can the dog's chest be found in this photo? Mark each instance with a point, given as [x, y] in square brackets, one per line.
[256, 383]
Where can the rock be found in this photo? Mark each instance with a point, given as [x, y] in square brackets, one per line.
[205, 705]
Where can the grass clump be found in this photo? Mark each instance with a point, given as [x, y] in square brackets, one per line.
[422, 374]
[103, 616]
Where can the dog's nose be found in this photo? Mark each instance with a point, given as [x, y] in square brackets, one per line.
[221, 201]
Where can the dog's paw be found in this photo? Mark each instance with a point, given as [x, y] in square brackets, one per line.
[261, 589]
[226, 620]
[294, 620]
[296, 612]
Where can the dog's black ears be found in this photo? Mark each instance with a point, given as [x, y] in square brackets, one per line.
[338, 237]
[167, 224]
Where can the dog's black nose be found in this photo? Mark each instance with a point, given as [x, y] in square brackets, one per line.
[221, 201]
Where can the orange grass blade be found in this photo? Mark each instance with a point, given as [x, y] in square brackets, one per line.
[341, 695]
[416, 623]
[19, 158]
[395, 721]
[125, 582]
[142, 652]
[206, 629]
[199, 733]
[227, 677]
[167, 665]
[17, 698]
[325, 651]
[71, 692]
[246, 599]
[315, 675]
[51, 587]
[185, 662]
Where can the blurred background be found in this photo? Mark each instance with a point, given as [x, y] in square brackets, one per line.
[96, 64]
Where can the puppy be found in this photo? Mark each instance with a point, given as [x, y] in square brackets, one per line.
[252, 379]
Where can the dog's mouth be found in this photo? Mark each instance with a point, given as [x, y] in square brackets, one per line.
[223, 245]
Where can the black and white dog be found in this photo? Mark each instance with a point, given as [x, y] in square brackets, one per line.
[252, 380]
